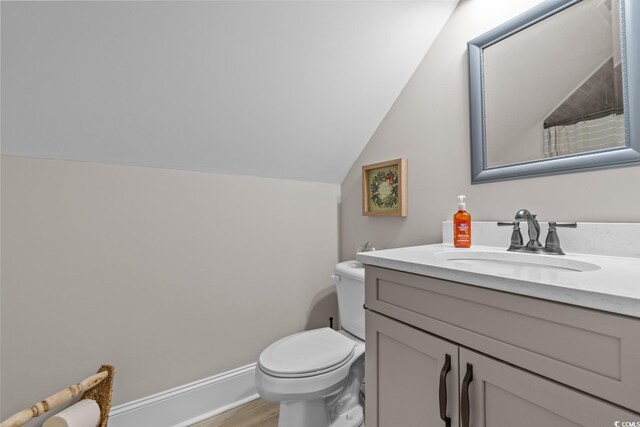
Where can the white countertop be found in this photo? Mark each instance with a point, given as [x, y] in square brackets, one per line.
[615, 287]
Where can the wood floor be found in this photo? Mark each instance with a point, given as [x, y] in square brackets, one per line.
[258, 413]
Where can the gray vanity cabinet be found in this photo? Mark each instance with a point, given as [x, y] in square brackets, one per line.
[533, 362]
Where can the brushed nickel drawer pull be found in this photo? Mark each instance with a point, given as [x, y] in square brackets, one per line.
[464, 398]
[443, 390]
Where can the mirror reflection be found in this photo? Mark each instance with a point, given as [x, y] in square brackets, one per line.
[568, 86]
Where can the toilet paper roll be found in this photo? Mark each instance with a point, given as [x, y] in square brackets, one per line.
[85, 413]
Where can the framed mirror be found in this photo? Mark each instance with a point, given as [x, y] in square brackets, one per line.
[556, 90]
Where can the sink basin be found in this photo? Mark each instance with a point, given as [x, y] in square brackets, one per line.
[518, 259]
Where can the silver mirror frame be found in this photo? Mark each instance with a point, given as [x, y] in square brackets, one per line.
[626, 156]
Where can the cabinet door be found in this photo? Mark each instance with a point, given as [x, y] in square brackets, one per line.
[403, 370]
[500, 395]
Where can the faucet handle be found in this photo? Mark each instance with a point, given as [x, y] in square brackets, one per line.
[552, 244]
[563, 224]
[516, 235]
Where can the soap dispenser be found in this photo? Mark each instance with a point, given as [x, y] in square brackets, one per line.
[461, 225]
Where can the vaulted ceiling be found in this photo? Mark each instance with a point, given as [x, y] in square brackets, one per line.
[283, 89]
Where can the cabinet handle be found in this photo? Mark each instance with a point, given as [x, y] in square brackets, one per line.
[464, 396]
[443, 390]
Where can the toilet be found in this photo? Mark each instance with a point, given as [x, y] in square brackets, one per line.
[316, 375]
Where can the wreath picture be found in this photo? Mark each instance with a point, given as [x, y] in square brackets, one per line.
[387, 196]
[383, 189]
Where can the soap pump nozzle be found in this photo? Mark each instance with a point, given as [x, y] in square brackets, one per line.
[461, 204]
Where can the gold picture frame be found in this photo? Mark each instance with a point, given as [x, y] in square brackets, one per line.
[384, 188]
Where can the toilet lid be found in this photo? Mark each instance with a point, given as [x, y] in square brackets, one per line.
[307, 353]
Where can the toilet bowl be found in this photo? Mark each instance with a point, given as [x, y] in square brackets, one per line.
[315, 388]
[316, 375]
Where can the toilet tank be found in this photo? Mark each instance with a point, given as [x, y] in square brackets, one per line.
[349, 280]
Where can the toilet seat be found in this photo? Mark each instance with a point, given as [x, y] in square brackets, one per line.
[278, 388]
[307, 354]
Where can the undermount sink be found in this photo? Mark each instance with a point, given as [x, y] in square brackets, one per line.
[518, 259]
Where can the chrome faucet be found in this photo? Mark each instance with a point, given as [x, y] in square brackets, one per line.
[533, 227]
[552, 243]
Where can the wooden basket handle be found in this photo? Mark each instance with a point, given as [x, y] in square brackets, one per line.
[57, 399]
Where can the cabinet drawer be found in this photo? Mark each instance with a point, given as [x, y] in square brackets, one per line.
[587, 349]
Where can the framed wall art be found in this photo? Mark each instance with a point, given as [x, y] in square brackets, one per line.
[384, 188]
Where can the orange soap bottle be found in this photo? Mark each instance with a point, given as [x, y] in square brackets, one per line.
[462, 226]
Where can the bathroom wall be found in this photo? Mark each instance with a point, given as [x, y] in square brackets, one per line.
[171, 276]
[429, 125]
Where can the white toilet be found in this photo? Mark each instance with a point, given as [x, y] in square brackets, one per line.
[316, 375]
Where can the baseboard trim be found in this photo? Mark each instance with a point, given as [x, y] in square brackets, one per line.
[190, 403]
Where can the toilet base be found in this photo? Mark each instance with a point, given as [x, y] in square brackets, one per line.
[352, 418]
[310, 413]
[313, 413]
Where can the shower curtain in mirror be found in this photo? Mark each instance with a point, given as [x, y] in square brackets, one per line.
[589, 135]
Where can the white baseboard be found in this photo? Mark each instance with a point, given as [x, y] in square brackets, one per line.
[185, 405]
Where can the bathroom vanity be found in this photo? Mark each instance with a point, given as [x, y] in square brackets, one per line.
[477, 338]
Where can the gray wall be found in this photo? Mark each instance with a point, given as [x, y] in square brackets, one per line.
[429, 125]
[171, 276]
